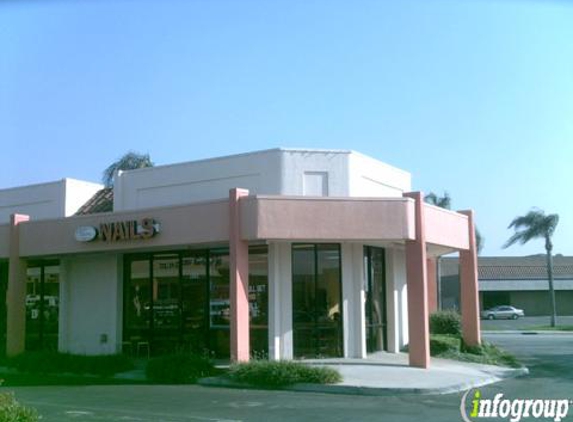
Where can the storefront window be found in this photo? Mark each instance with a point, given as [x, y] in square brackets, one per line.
[181, 302]
[219, 304]
[194, 304]
[42, 306]
[138, 304]
[166, 302]
[317, 312]
[3, 288]
[258, 301]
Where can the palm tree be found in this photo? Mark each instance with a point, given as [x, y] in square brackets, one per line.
[439, 201]
[534, 225]
[130, 161]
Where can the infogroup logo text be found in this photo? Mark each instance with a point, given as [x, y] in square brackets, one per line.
[513, 409]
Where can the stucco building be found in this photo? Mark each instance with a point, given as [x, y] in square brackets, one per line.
[288, 253]
[520, 281]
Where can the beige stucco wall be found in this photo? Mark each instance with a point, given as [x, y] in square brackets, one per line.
[318, 219]
[61, 198]
[446, 228]
[193, 224]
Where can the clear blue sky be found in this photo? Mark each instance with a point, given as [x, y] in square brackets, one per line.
[472, 96]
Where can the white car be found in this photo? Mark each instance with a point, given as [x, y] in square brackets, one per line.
[502, 312]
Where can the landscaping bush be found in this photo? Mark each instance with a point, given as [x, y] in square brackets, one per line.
[12, 411]
[491, 354]
[178, 369]
[58, 363]
[282, 373]
[445, 322]
[440, 344]
[452, 347]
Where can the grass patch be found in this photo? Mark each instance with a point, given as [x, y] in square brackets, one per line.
[276, 374]
[550, 328]
[452, 347]
[12, 411]
[64, 363]
[179, 369]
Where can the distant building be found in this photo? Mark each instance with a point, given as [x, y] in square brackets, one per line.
[520, 281]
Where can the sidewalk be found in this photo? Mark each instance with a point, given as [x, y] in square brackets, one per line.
[389, 374]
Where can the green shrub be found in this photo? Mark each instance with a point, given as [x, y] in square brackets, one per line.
[452, 347]
[282, 373]
[178, 369]
[12, 411]
[442, 343]
[490, 354]
[474, 350]
[57, 363]
[445, 322]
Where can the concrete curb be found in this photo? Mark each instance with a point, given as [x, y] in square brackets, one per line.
[223, 382]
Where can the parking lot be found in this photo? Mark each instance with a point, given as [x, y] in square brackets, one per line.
[525, 323]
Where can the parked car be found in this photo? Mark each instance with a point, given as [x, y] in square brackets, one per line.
[502, 312]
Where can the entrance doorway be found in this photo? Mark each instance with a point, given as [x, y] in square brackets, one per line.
[316, 300]
[376, 316]
[42, 305]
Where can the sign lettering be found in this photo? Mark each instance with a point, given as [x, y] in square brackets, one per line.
[119, 231]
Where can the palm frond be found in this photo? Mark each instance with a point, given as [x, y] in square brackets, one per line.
[130, 161]
[533, 225]
[439, 201]
[480, 241]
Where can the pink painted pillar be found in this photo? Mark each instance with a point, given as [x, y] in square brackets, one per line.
[469, 289]
[431, 265]
[16, 293]
[416, 274]
[239, 257]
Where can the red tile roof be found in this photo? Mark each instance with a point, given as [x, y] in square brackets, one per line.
[102, 201]
[514, 268]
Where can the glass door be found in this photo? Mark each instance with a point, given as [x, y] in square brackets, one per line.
[194, 302]
[317, 319]
[219, 303]
[166, 303]
[137, 304]
[376, 320]
[179, 301]
[42, 306]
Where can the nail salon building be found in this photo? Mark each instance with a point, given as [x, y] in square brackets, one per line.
[285, 253]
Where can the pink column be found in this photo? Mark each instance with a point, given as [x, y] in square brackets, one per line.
[469, 290]
[16, 293]
[239, 256]
[416, 274]
[431, 265]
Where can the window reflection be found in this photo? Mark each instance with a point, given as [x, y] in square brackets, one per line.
[42, 306]
[317, 318]
[181, 302]
[375, 307]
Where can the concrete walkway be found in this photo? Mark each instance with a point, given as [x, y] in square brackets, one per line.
[388, 373]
